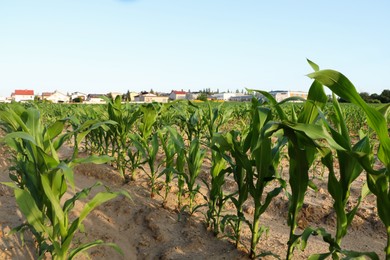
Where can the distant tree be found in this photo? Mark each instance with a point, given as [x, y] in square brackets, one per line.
[78, 100]
[128, 96]
[151, 91]
[342, 100]
[385, 96]
[365, 96]
[202, 96]
[375, 98]
[237, 91]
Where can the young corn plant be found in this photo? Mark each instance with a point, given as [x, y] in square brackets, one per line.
[148, 139]
[233, 146]
[193, 156]
[350, 169]
[217, 199]
[179, 164]
[302, 134]
[40, 180]
[215, 118]
[169, 150]
[134, 155]
[191, 121]
[125, 118]
[194, 159]
[378, 181]
[266, 158]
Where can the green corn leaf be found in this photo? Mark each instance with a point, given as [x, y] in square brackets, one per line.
[340, 85]
[379, 185]
[91, 159]
[272, 102]
[316, 99]
[21, 135]
[54, 203]
[87, 246]
[10, 184]
[99, 199]
[96, 201]
[14, 119]
[313, 65]
[55, 129]
[69, 204]
[31, 211]
[359, 255]
[319, 256]
[34, 125]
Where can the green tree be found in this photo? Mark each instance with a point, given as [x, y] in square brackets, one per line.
[202, 96]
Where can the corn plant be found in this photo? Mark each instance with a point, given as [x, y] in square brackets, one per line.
[302, 149]
[179, 164]
[339, 189]
[378, 181]
[194, 159]
[169, 150]
[191, 121]
[216, 199]
[148, 140]
[41, 179]
[193, 156]
[233, 145]
[124, 117]
[213, 120]
[266, 159]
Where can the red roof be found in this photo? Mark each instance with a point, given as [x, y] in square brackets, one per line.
[179, 92]
[25, 92]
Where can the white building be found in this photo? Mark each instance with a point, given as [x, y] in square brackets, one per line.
[175, 95]
[21, 95]
[149, 98]
[55, 97]
[4, 100]
[78, 96]
[224, 96]
[241, 98]
[192, 95]
[280, 95]
[95, 99]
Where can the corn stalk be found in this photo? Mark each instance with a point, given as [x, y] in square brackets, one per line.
[40, 179]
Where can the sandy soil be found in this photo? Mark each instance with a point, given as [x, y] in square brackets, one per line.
[146, 229]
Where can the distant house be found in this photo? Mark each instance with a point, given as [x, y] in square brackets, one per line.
[4, 100]
[113, 95]
[175, 95]
[55, 97]
[95, 99]
[148, 98]
[280, 95]
[78, 97]
[192, 95]
[21, 95]
[223, 96]
[241, 98]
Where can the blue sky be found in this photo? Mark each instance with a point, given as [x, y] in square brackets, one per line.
[98, 46]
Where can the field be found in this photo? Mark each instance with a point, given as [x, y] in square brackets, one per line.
[292, 180]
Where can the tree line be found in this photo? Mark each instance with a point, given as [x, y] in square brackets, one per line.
[384, 97]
